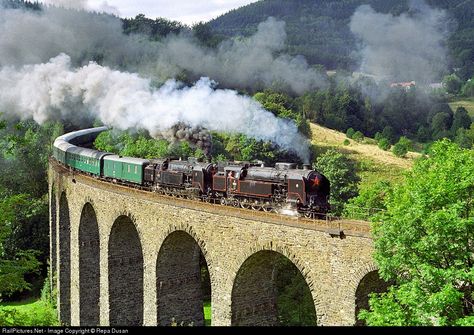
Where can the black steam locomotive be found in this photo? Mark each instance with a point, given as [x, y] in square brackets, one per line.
[242, 185]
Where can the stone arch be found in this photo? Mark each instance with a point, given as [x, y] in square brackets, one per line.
[258, 284]
[64, 261]
[53, 243]
[369, 283]
[89, 267]
[180, 286]
[125, 274]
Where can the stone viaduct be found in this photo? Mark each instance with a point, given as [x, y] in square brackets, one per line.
[123, 256]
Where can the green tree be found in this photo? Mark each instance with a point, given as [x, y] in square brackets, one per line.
[24, 151]
[369, 202]
[468, 88]
[399, 150]
[389, 134]
[463, 139]
[358, 136]
[350, 132]
[440, 124]
[384, 144]
[341, 172]
[461, 119]
[423, 243]
[452, 84]
[423, 134]
[378, 136]
[283, 106]
[294, 302]
[15, 263]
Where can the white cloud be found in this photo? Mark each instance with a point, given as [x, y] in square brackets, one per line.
[186, 11]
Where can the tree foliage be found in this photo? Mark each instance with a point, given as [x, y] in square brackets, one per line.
[295, 303]
[341, 172]
[15, 263]
[154, 29]
[369, 202]
[24, 244]
[424, 243]
[284, 107]
[452, 84]
[401, 148]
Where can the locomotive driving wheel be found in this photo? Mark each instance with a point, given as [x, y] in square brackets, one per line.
[256, 206]
[267, 207]
[244, 203]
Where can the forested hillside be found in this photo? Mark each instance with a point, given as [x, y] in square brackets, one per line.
[319, 29]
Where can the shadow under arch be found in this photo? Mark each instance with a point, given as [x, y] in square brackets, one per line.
[64, 261]
[370, 283]
[125, 274]
[182, 280]
[270, 290]
[89, 267]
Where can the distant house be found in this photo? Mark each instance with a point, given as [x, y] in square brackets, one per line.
[406, 85]
[435, 86]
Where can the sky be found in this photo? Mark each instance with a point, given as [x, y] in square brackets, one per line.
[186, 11]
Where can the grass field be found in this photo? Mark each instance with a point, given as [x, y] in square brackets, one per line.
[30, 312]
[467, 103]
[207, 313]
[374, 163]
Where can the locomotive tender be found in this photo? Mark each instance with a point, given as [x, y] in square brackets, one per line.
[243, 185]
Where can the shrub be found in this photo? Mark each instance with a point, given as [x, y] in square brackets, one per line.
[399, 150]
[358, 136]
[346, 142]
[384, 144]
[350, 132]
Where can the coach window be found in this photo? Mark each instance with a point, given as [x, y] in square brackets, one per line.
[136, 169]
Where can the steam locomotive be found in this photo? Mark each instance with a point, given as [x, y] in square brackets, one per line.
[239, 184]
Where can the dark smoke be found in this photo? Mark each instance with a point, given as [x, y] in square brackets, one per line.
[196, 136]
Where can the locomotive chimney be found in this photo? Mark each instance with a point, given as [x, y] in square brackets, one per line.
[306, 167]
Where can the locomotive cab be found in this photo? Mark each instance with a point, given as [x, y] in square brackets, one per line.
[154, 169]
[202, 176]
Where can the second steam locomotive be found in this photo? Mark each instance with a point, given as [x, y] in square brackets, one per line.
[245, 185]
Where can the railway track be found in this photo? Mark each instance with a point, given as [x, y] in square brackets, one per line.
[334, 226]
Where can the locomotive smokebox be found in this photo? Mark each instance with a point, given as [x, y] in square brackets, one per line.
[306, 167]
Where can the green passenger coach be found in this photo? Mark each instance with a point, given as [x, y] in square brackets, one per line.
[86, 160]
[125, 168]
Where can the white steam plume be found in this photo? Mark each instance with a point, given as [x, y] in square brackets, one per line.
[125, 100]
[32, 37]
[403, 48]
[254, 63]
